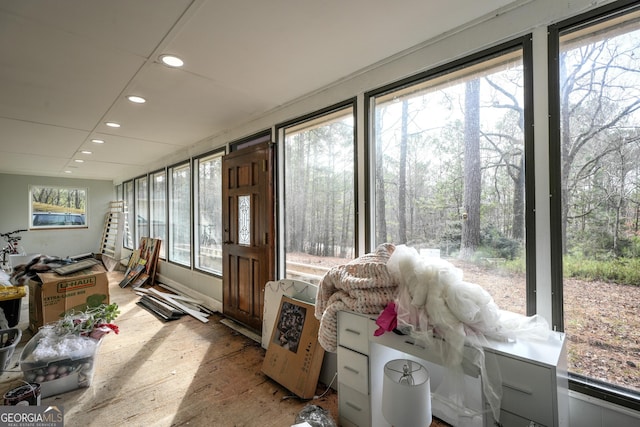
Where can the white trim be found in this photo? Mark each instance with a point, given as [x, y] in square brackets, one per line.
[603, 404]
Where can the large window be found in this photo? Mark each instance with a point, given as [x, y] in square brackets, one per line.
[208, 212]
[598, 213]
[180, 214]
[319, 194]
[142, 208]
[449, 169]
[129, 200]
[158, 209]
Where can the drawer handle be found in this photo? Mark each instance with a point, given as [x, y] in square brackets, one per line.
[353, 331]
[354, 406]
[517, 388]
[349, 368]
[413, 343]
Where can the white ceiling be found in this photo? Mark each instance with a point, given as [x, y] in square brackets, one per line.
[67, 65]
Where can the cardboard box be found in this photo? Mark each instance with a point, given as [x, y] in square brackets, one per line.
[294, 356]
[56, 295]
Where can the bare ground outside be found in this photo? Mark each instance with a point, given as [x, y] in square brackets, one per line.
[602, 320]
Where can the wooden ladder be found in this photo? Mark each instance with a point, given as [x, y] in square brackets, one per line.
[111, 244]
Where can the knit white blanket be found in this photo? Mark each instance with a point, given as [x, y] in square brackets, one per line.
[363, 285]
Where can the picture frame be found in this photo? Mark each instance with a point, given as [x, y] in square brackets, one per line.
[57, 207]
[294, 355]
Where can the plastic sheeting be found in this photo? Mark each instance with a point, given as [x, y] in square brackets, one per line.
[434, 302]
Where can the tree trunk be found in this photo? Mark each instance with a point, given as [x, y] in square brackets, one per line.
[381, 219]
[472, 174]
[402, 177]
[519, 203]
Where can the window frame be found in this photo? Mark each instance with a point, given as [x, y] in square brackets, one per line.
[164, 209]
[128, 189]
[214, 154]
[137, 183]
[579, 383]
[188, 165]
[280, 130]
[523, 43]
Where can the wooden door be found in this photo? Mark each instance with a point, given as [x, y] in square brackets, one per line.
[248, 251]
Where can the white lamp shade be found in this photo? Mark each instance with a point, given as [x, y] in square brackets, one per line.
[403, 404]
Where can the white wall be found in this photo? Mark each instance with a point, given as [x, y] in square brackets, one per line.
[14, 214]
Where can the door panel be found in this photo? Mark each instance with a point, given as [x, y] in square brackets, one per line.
[248, 248]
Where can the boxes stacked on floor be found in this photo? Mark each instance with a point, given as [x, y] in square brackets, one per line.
[57, 295]
[49, 301]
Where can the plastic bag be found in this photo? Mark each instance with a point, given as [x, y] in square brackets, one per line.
[316, 416]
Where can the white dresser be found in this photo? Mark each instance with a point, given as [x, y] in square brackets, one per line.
[354, 402]
[534, 378]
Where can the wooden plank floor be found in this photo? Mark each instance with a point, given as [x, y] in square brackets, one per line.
[178, 373]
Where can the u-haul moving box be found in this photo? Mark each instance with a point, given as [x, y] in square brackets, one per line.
[57, 295]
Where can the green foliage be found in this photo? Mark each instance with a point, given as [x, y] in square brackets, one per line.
[499, 245]
[630, 248]
[84, 322]
[592, 244]
[516, 265]
[618, 270]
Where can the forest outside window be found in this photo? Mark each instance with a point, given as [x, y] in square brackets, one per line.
[158, 209]
[319, 194]
[599, 186]
[208, 212]
[129, 200]
[449, 170]
[57, 207]
[142, 208]
[180, 214]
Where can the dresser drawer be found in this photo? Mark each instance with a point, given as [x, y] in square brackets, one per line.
[353, 369]
[353, 406]
[507, 419]
[353, 331]
[527, 390]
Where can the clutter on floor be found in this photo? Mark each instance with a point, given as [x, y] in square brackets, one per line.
[52, 295]
[9, 339]
[61, 356]
[10, 301]
[294, 356]
[142, 265]
[314, 416]
[24, 395]
[170, 306]
[150, 358]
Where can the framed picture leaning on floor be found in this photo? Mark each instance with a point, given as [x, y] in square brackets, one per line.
[294, 356]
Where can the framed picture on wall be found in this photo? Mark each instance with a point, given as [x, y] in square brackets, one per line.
[57, 207]
[294, 356]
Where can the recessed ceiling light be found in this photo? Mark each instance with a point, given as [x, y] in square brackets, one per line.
[136, 99]
[67, 171]
[86, 152]
[171, 61]
[113, 124]
[98, 141]
[79, 161]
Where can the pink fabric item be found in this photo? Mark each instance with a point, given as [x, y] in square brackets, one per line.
[388, 319]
